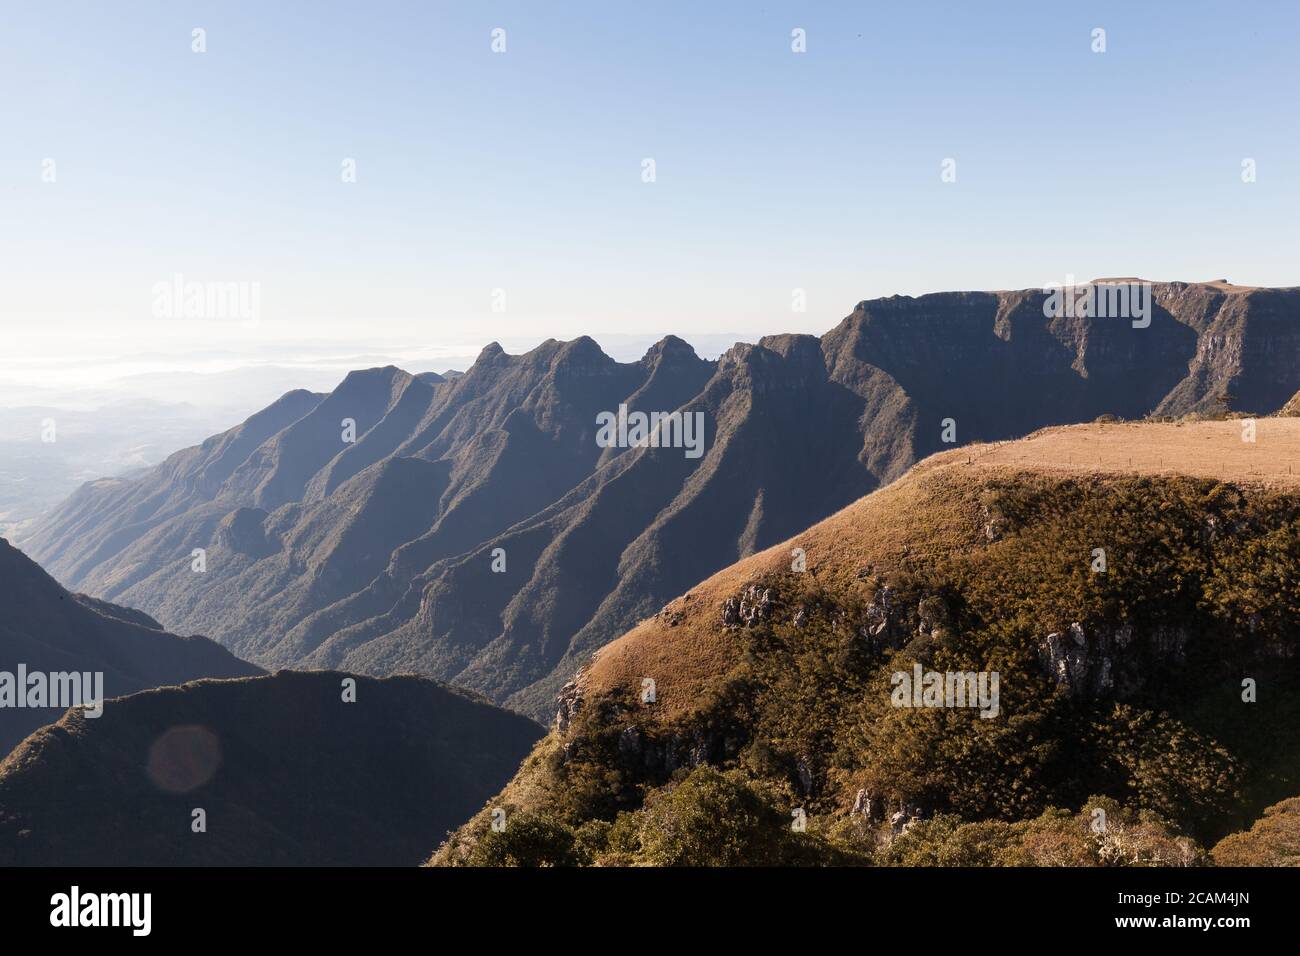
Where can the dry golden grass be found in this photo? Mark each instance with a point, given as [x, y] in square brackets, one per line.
[1220, 285]
[925, 506]
[1211, 449]
[525, 793]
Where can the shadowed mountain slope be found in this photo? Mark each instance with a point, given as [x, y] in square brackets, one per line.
[49, 630]
[286, 772]
[377, 555]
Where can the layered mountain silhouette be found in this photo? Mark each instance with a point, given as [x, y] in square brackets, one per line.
[273, 770]
[46, 629]
[477, 533]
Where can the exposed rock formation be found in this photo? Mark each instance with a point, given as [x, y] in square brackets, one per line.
[753, 606]
[568, 701]
[1107, 662]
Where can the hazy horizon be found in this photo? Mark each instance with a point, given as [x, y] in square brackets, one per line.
[221, 378]
[416, 182]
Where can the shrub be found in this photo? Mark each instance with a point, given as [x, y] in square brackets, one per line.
[711, 819]
[527, 840]
[1273, 840]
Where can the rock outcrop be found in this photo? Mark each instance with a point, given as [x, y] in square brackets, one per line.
[567, 704]
[1108, 662]
[755, 605]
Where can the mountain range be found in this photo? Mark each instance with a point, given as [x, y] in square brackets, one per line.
[473, 529]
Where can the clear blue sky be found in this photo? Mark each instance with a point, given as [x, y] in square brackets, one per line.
[522, 170]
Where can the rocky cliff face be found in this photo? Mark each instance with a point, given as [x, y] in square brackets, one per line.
[1105, 663]
[378, 554]
[1000, 368]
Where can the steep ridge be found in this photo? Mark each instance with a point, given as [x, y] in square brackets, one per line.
[1157, 686]
[596, 538]
[285, 772]
[280, 469]
[50, 631]
[103, 517]
[612, 549]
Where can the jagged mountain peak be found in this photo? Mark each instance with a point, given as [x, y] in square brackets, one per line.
[736, 355]
[294, 395]
[581, 354]
[363, 381]
[296, 401]
[491, 355]
[797, 349]
[670, 346]
[794, 427]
